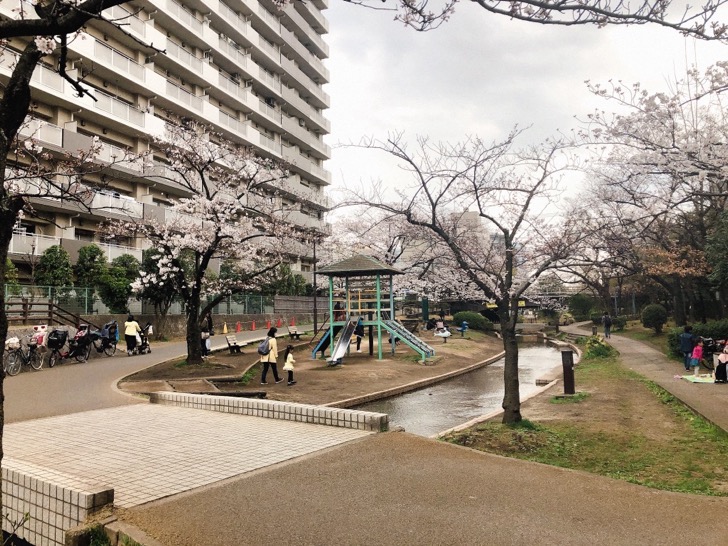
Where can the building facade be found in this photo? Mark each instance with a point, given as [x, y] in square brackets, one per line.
[251, 70]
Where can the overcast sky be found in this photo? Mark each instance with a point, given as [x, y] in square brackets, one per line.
[479, 74]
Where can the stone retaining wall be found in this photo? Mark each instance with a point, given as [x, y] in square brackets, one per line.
[273, 409]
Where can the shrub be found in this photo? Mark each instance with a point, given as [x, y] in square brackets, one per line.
[580, 305]
[596, 347]
[566, 318]
[476, 321]
[596, 317]
[654, 316]
[618, 323]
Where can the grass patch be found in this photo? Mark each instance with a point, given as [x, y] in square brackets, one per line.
[249, 375]
[628, 428]
[573, 399]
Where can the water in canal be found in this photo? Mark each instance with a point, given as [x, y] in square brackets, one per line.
[448, 404]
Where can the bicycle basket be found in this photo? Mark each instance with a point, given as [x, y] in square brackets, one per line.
[12, 343]
[57, 339]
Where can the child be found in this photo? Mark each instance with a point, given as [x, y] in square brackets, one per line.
[288, 366]
[697, 357]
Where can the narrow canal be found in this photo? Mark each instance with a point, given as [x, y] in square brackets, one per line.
[427, 411]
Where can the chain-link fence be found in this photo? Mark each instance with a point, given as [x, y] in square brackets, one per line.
[86, 301]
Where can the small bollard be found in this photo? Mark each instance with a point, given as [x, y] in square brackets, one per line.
[594, 330]
[567, 361]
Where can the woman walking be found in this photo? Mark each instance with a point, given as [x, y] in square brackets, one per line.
[270, 360]
[131, 330]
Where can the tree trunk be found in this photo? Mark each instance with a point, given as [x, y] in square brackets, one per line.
[512, 396]
[679, 302]
[194, 334]
[7, 219]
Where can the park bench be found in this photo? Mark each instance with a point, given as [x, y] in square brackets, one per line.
[293, 332]
[233, 344]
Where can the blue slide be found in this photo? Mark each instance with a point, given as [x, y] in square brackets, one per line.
[325, 342]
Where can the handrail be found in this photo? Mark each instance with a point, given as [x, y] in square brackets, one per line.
[27, 312]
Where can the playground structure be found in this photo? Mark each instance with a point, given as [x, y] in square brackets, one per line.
[366, 300]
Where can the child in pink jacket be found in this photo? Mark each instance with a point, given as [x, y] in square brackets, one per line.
[697, 357]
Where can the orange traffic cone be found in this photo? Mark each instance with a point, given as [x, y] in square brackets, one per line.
[238, 327]
[224, 327]
[267, 324]
[253, 326]
[279, 323]
[293, 321]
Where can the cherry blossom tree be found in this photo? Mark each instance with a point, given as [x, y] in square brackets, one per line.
[229, 215]
[696, 21]
[480, 210]
[660, 166]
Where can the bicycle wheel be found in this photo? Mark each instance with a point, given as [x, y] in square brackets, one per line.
[36, 360]
[83, 353]
[110, 349]
[53, 358]
[14, 363]
[707, 363]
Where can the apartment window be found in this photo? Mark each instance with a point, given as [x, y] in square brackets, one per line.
[85, 235]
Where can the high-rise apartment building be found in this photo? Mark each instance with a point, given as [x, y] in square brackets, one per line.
[249, 68]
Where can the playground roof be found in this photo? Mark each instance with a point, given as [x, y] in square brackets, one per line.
[358, 266]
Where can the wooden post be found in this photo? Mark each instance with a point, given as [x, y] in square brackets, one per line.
[567, 362]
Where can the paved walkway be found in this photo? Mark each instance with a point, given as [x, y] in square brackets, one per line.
[146, 451]
[707, 399]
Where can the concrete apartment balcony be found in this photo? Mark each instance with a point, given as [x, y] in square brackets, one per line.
[306, 85]
[303, 27]
[108, 201]
[304, 57]
[306, 138]
[31, 244]
[303, 109]
[313, 16]
[113, 251]
[270, 25]
[43, 132]
[271, 52]
[303, 165]
[132, 23]
[184, 57]
[238, 128]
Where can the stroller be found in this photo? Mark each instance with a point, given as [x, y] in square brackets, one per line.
[143, 341]
[105, 340]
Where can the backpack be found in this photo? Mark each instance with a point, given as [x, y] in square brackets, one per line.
[607, 320]
[264, 347]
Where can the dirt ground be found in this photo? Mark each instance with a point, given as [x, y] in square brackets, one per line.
[318, 383]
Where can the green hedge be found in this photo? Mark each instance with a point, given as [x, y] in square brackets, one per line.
[716, 329]
[476, 321]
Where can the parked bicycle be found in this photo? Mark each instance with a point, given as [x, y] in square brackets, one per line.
[79, 347]
[17, 354]
[104, 340]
